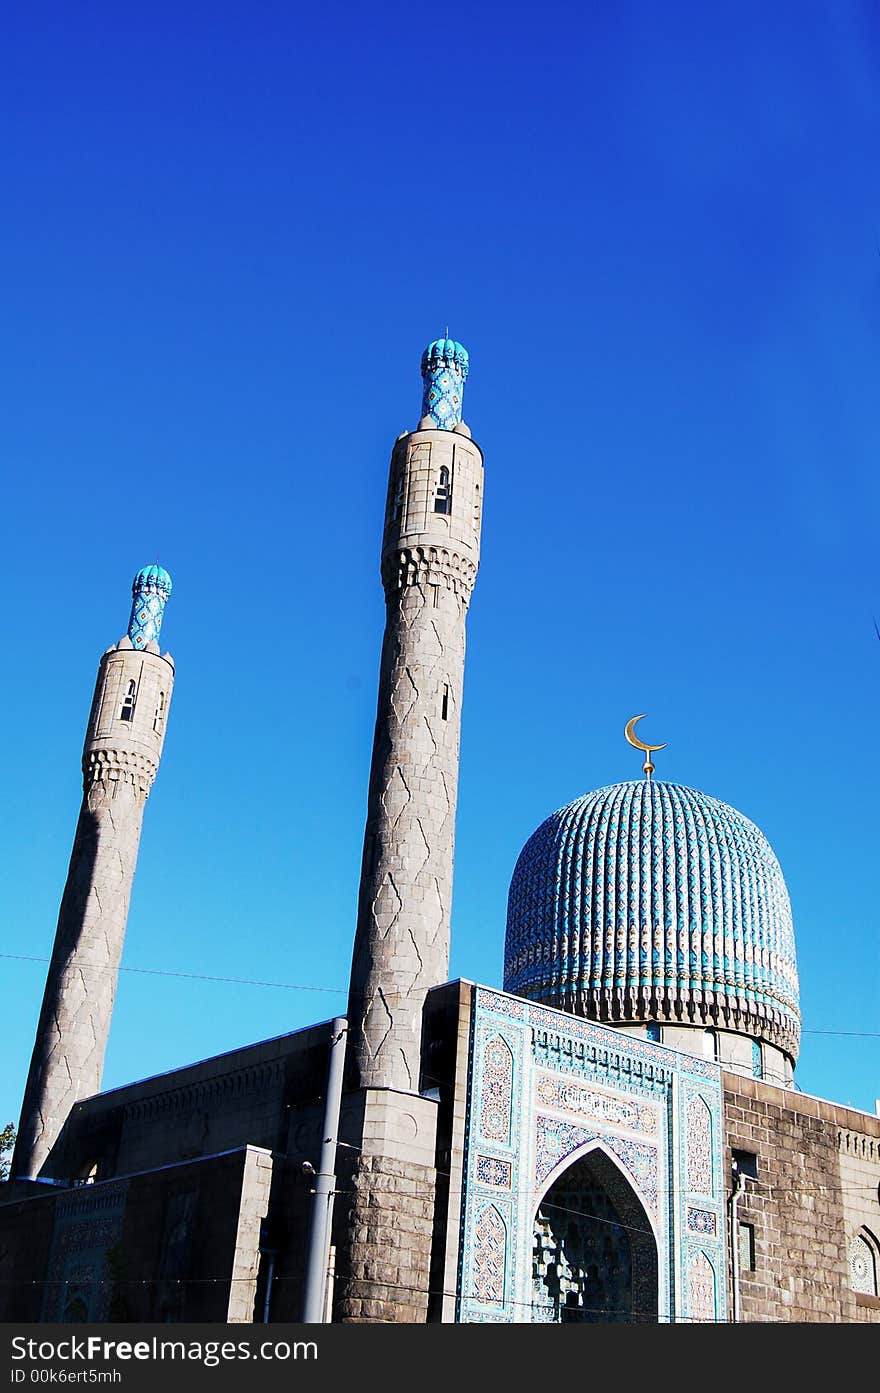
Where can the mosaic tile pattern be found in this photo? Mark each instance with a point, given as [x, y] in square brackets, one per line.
[444, 370]
[606, 1058]
[701, 1289]
[644, 893]
[150, 590]
[489, 1254]
[494, 1173]
[699, 1146]
[578, 1087]
[702, 1221]
[557, 1140]
[498, 1091]
[564, 1096]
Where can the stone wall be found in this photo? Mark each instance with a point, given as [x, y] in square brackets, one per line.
[385, 1256]
[384, 1213]
[25, 1239]
[231, 1100]
[800, 1204]
[180, 1243]
[859, 1154]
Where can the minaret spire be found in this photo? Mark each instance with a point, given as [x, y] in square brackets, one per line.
[123, 746]
[149, 594]
[445, 367]
[430, 553]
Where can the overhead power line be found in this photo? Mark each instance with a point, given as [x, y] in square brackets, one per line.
[307, 987]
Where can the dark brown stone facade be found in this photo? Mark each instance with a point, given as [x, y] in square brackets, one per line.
[182, 1243]
[806, 1204]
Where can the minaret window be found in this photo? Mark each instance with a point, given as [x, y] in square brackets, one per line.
[160, 714]
[126, 712]
[398, 496]
[444, 705]
[443, 493]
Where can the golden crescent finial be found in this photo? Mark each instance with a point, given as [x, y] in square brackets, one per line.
[638, 744]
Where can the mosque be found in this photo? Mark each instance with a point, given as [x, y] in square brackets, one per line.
[613, 1136]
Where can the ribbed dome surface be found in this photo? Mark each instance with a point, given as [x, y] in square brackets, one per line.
[651, 901]
[153, 577]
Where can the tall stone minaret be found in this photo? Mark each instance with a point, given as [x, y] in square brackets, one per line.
[430, 553]
[121, 754]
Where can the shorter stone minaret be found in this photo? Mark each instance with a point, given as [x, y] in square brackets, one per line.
[121, 754]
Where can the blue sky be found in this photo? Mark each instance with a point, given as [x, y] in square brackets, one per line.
[229, 233]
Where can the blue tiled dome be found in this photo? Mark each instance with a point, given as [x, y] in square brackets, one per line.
[647, 901]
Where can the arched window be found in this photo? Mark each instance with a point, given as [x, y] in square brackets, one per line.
[398, 495]
[863, 1263]
[443, 492]
[160, 714]
[126, 712]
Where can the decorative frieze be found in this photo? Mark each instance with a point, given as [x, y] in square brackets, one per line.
[429, 566]
[109, 767]
[205, 1095]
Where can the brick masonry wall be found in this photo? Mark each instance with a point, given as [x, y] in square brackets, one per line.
[796, 1205]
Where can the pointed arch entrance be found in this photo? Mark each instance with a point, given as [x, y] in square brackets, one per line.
[594, 1255]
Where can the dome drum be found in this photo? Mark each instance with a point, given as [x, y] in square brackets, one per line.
[635, 1007]
[647, 901]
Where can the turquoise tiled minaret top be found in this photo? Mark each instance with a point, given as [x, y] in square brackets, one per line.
[150, 590]
[648, 901]
[444, 370]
